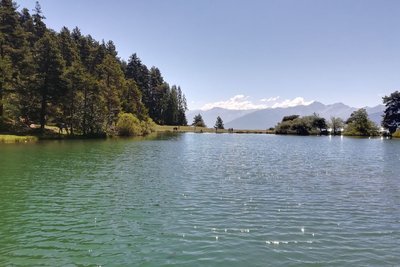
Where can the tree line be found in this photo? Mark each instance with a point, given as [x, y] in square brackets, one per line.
[199, 122]
[358, 124]
[70, 78]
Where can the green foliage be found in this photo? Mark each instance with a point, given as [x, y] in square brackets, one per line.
[50, 67]
[336, 125]
[72, 79]
[17, 139]
[290, 117]
[391, 118]
[359, 125]
[295, 124]
[132, 100]
[219, 124]
[5, 80]
[319, 122]
[128, 125]
[396, 134]
[198, 121]
[182, 107]
[148, 126]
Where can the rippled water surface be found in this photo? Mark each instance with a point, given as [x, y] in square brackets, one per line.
[201, 200]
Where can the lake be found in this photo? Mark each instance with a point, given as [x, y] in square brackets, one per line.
[201, 200]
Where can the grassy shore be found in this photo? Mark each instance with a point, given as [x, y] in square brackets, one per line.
[52, 133]
[9, 138]
[192, 129]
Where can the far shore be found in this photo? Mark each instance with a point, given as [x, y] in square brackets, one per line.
[193, 129]
[52, 134]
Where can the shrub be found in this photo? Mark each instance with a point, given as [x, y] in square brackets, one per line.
[360, 125]
[396, 134]
[148, 126]
[128, 125]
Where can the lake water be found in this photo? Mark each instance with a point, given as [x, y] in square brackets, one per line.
[201, 200]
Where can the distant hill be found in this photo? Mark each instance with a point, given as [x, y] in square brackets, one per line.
[266, 118]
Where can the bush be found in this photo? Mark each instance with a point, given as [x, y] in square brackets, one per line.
[396, 134]
[368, 129]
[360, 125]
[148, 126]
[128, 125]
[297, 125]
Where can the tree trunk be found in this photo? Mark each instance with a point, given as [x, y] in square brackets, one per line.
[43, 113]
[84, 112]
[1, 102]
[71, 124]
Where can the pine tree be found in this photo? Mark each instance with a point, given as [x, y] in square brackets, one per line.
[132, 100]
[156, 98]
[112, 84]
[72, 78]
[39, 26]
[182, 108]
[140, 74]
[50, 67]
[5, 80]
[68, 47]
[198, 121]
[12, 51]
[172, 111]
[219, 124]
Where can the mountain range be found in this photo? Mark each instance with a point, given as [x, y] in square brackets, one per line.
[269, 117]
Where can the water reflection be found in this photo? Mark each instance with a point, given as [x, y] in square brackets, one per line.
[210, 200]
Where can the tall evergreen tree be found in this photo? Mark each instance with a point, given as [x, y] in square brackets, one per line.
[172, 112]
[39, 26]
[112, 84]
[5, 80]
[66, 76]
[140, 74]
[12, 50]
[182, 108]
[132, 100]
[198, 121]
[68, 47]
[50, 67]
[156, 95]
[219, 124]
[76, 79]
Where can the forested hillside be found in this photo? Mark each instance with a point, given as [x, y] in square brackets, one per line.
[49, 77]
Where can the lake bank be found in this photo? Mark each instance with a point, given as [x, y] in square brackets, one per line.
[193, 129]
[9, 138]
[53, 134]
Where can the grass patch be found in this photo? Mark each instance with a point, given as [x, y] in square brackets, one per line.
[9, 139]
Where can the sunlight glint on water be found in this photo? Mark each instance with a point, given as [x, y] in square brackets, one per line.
[201, 200]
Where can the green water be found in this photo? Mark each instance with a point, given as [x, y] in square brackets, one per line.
[201, 200]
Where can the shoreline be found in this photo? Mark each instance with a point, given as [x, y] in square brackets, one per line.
[10, 138]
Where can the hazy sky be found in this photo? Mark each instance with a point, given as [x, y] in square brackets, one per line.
[239, 53]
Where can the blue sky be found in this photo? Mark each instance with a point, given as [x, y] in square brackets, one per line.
[251, 53]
